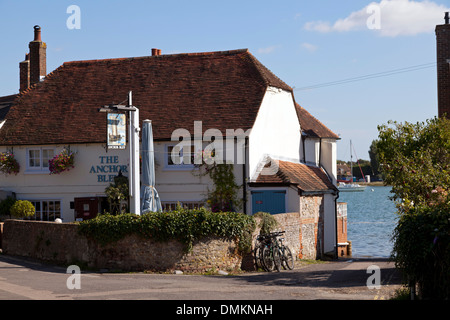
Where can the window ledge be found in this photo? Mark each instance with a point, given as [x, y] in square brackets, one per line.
[179, 168]
[28, 171]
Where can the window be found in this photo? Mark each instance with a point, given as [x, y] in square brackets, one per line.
[176, 159]
[170, 206]
[46, 210]
[37, 159]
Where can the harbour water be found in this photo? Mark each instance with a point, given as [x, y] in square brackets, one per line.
[371, 219]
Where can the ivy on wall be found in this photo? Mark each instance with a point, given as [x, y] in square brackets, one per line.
[224, 195]
[181, 224]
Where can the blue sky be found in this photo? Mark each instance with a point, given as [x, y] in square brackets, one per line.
[305, 43]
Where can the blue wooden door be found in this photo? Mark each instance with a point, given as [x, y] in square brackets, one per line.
[269, 201]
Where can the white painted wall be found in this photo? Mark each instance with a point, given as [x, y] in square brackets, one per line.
[95, 168]
[85, 180]
[312, 151]
[328, 158]
[276, 131]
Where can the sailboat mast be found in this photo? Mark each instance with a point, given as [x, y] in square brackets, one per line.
[351, 162]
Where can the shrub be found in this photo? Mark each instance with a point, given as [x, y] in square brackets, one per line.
[422, 249]
[5, 206]
[268, 222]
[22, 209]
[183, 225]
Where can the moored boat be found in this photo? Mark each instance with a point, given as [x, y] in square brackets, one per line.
[351, 187]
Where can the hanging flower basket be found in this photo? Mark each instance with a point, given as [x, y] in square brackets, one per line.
[61, 162]
[9, 164]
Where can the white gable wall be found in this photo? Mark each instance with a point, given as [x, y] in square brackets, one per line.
[312, 151]
[276, 131]
[328, 158]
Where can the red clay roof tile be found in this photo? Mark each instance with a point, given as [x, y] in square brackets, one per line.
[313, 127]
[222, 89]
[306, 178]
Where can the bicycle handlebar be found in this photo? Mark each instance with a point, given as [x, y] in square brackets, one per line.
[270, 235]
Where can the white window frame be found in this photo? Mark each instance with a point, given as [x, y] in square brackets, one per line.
[175, 167]
[41, 168]
[38, 216]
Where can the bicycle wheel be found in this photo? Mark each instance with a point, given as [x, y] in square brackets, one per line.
[267, 259]
[258, 256]
[276, 253]
[288, 258]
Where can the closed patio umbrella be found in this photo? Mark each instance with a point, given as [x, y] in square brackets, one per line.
[150, 201]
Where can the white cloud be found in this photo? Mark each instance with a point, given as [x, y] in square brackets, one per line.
[396, 18]
[308, 46]
[266, 50]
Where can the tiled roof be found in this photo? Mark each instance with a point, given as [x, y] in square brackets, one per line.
[306, 178]
[313, 127]
[222, 89]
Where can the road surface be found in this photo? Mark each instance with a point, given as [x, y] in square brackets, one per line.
[22, 279]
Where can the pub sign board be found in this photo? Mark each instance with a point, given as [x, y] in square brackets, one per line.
[116, 132]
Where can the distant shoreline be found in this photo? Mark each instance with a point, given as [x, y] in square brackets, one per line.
[375, 183]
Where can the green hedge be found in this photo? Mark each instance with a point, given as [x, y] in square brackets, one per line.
[422, 249]
[182, 224]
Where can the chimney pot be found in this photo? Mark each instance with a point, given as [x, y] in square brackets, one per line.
[446, 18]
[38, 63]
[37, 33]
[156, 52]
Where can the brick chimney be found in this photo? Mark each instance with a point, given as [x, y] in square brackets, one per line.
[38, 57]
[24, 68]
[443, 66]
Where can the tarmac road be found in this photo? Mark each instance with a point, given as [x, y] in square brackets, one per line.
[22, 279]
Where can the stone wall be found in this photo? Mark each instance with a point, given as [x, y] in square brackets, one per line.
[290, 222]
[311, 221]
[60, 243]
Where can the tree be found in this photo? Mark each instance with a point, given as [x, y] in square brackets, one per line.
[116, 193]
[415, 159]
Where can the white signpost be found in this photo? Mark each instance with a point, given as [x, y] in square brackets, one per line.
[133, 147]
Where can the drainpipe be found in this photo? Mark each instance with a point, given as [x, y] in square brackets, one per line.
[335, 224]
[244, 177]
[304, 149]
[320, 150]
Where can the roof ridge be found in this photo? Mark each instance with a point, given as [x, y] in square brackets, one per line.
[162, 56]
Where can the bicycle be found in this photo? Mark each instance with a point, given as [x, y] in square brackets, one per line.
[270, 253]
[287, 259]
[262, 241]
